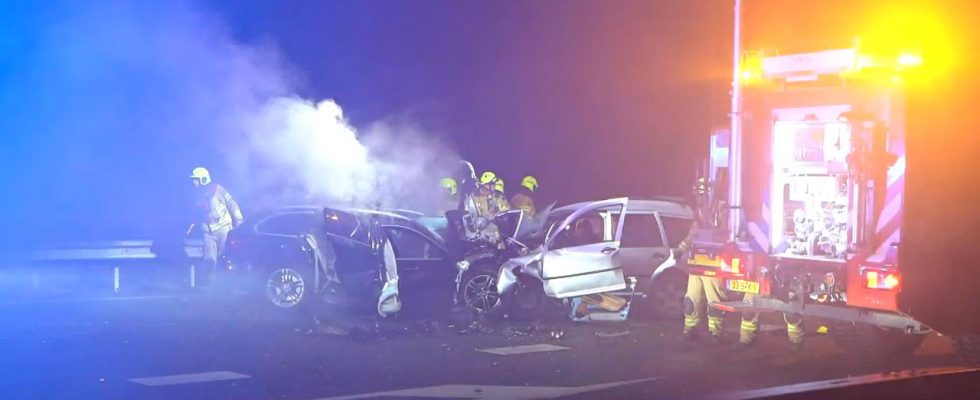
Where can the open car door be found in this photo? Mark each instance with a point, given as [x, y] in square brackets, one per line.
[581, 253]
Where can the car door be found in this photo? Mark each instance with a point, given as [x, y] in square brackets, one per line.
[643, 247]
[424, 269]
[578, 262]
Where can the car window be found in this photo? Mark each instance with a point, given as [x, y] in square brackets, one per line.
[410, 244]
[341, 223]
[677, 229]
[289, 224]
[641, 230]
[585, 230]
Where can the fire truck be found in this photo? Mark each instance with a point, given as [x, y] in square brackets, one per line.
[846, 192]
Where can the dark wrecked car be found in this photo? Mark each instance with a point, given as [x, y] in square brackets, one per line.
[297, 256]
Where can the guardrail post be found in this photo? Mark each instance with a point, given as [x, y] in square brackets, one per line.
[115, 279]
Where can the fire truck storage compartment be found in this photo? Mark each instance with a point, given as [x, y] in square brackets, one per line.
[810, 190]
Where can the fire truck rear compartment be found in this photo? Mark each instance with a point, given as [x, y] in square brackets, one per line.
[811, 190]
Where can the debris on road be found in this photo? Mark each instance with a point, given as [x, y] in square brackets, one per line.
[612, 337]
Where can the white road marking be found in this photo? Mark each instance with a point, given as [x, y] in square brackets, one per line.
[531, 348]
[812, 387]
[490, 392]
[213, 376]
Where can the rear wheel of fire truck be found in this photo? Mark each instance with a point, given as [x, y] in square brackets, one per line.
[872, 342]
[968, 349]
[478, 290]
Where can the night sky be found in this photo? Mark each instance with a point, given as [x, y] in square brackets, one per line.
[596, 98]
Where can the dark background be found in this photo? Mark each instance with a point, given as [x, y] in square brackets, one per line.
[596, 98]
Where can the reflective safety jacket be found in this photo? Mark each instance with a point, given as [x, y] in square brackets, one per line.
[218, 209]
[488, 206]
[524, 201]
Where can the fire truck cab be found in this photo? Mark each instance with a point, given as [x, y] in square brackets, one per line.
[821, 217]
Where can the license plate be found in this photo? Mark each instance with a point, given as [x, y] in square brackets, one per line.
[739, 285]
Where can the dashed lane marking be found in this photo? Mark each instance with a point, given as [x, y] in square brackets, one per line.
[531, 348]
[491, 392]
[182, 379]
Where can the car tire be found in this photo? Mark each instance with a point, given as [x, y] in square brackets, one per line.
[967, 348]
[872, 342]
[665, 296]
[478, 290]
[525, 300]
[288, 288]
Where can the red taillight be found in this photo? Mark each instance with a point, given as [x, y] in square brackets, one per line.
[731, 259]
[881, 279]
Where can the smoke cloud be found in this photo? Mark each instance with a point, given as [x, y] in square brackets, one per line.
[307, 152]
[109, 104]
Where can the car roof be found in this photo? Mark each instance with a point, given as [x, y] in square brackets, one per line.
[397, 214]
[400, 217]
[664, 206]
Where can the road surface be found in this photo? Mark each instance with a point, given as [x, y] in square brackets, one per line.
[210, 347]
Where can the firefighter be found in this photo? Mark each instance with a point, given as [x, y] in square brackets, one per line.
[499, 197]
[488, 200]
[750, 328]
[481, 206]
[702, 291]
[219, 213]
[524, 199]
[450, 194]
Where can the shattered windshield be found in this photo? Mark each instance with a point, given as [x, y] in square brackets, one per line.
[419, 199]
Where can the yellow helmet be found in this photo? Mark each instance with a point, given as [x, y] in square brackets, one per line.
[488, 178]
[530, 182]
[499, 185]
[202, 175]
[449, 184]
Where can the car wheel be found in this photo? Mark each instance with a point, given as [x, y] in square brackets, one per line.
[289, 287]
[869, 341]
[665, 298]
[478, 290]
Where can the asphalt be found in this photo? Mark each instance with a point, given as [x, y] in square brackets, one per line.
[216, 347]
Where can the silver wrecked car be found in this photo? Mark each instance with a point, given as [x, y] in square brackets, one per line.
[602, 264]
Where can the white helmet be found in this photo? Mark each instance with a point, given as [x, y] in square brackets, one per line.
[201, 174]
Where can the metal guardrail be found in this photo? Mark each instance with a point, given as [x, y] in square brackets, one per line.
[119, 256]
[112, 250]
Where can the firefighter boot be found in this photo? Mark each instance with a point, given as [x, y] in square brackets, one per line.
[715, 318]
[747, 331]
[795, 330]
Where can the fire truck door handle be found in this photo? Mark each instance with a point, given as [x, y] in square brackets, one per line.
[609, 250]
[659, 255]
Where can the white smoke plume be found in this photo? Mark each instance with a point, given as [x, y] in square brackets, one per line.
[301, 151]
[168, 87]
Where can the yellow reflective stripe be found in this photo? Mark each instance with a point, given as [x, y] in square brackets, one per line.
[691, 322]
[750, 325]
[794, 328]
